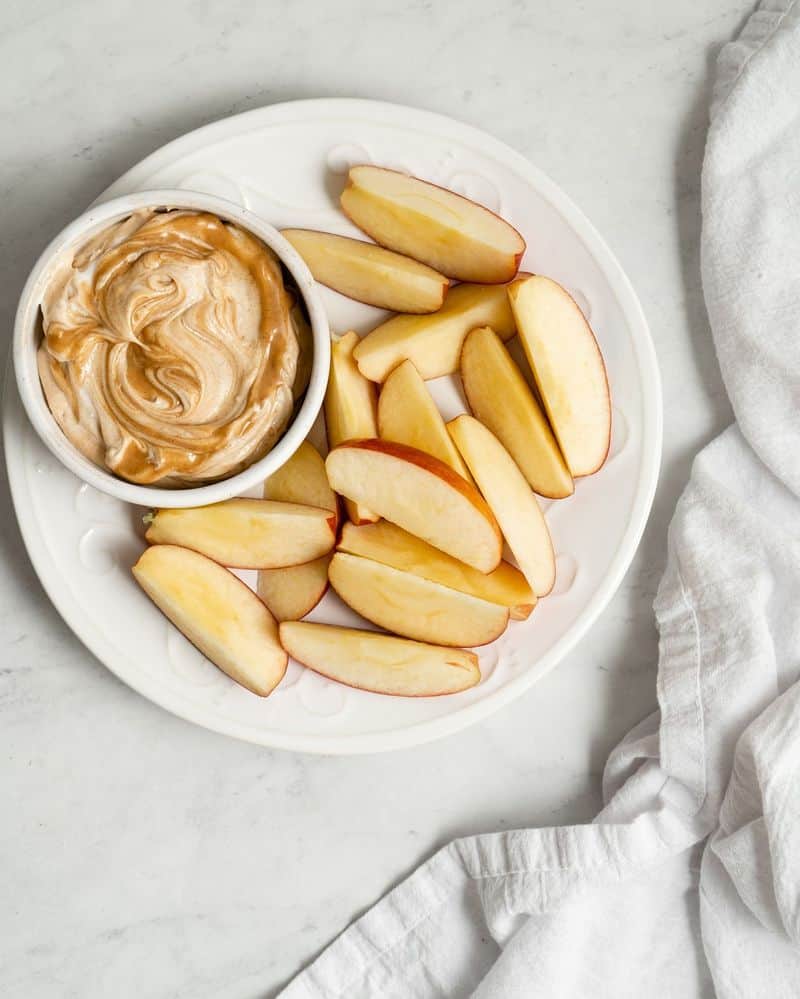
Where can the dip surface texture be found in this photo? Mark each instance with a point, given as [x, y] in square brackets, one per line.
[170, 348]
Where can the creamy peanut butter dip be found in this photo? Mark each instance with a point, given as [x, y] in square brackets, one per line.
[172, 350]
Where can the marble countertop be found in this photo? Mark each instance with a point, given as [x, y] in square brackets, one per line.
[141, 856]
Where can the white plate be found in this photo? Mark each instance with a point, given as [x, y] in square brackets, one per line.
[286, 162]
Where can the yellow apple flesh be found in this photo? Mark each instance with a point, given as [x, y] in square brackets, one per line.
[420, 494]
[248, 533]
[302, 479]
[500, 398]
[458, 237]
[295, 590]
[380, 663]
[433, 343]
[413, 606]
[511, 500]
[351, 408]
[387, 543]
[569, 370]
[408, 415]
[216, 612]
[369, 273]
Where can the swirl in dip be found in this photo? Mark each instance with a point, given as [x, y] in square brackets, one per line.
[172, 350]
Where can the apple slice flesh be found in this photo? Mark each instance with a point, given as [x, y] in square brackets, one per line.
[302, 479]
[351, 408]
[369, 273]
[457, 236]
[387, 543]
[420, 494]
[248, 533]
[511, 500]
[413, 606]
[569, 370]
[294, 591]
[433, 343]
[380, 663]
[500, 398]
[216, 612]
[408, 415]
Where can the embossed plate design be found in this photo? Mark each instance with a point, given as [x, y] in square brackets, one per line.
[287, 163]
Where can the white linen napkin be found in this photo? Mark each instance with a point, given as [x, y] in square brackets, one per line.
[688, 882]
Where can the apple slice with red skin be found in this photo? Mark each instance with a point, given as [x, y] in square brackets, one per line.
[458, 237]
[511, 500]
[369, 273]
[387, 543]
[248, 533]
[295, 590]
[351, 408]
[420, 494]
[569, 370]
[383, 664]
[408, 415]
[415, 607]
[500, 398]
[217, 612]
[302, 479]
[433, 343]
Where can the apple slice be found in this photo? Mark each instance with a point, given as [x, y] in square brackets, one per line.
[407, 414]
[457, 236]
[248, 533]
[421, 494]
[351, 408]
[434, 342]
[216, 612]
[294, 591]
[302, 479]
[380, 663]
[500, 398]
[569, 370]
[369, 273]
[413, 606]
[511, 501]
[387, 543]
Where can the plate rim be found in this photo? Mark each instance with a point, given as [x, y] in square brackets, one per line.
[116, 660]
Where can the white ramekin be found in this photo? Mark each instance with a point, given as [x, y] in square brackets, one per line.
[27, 335]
